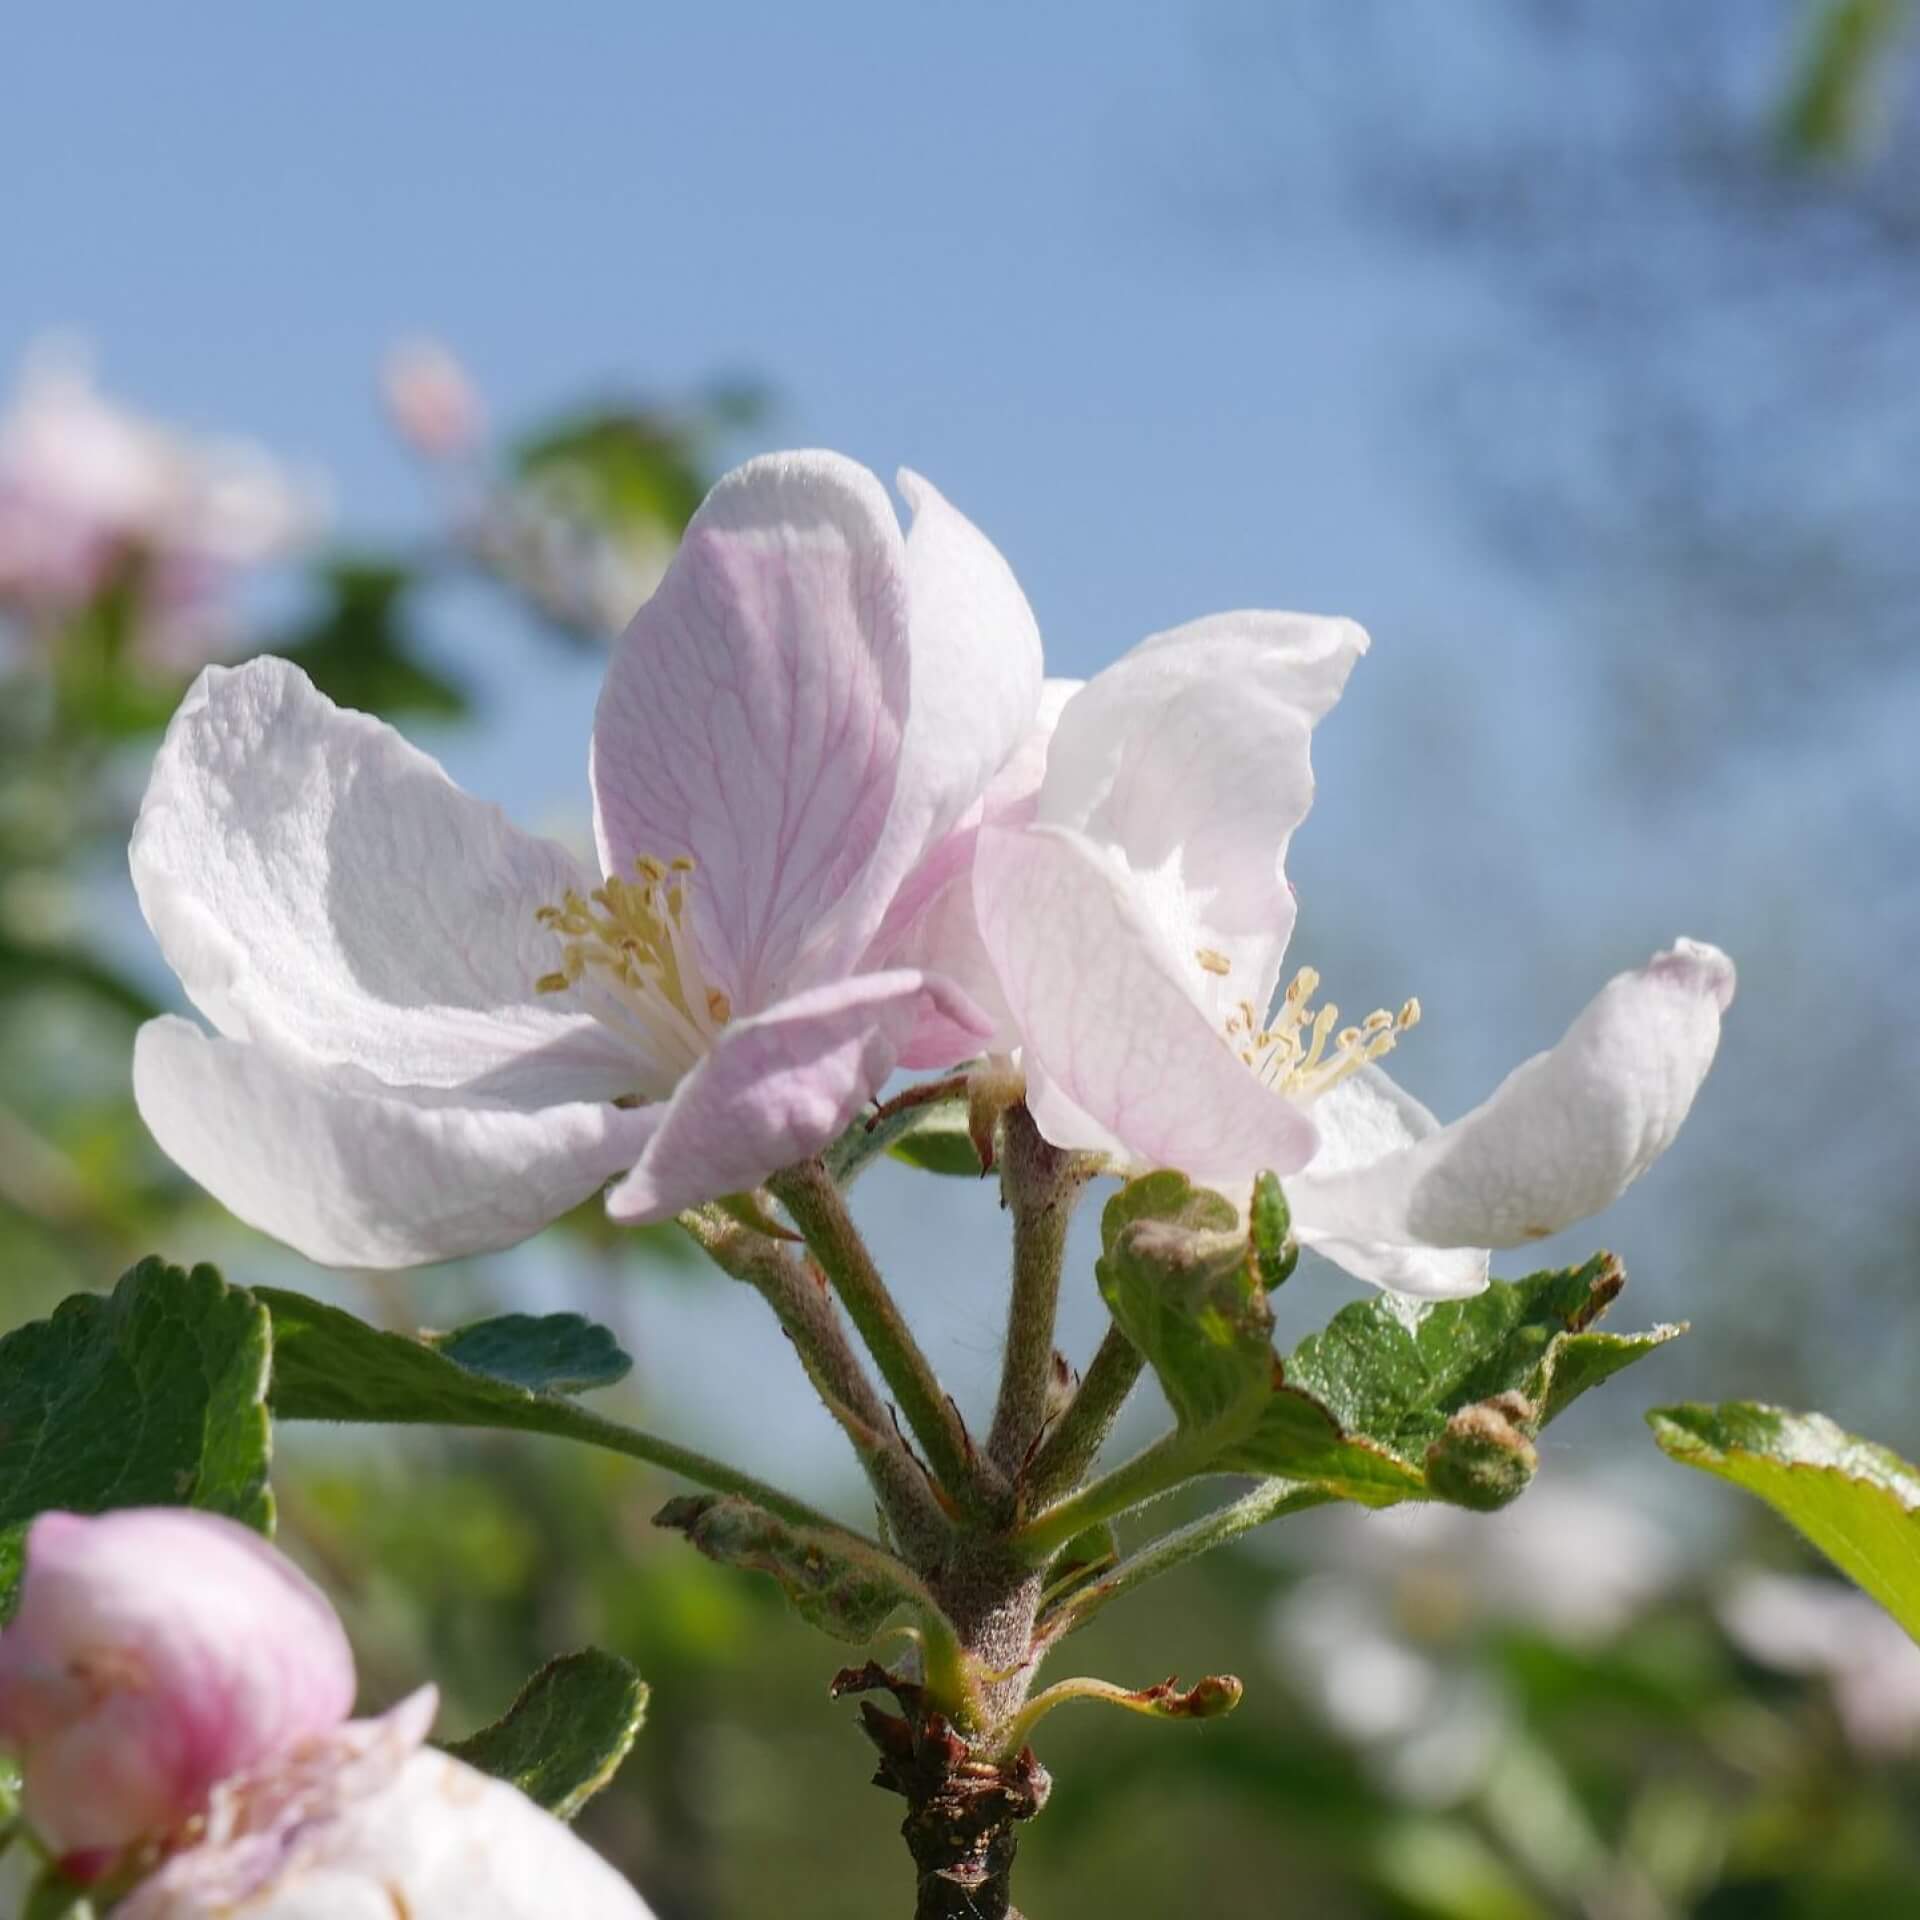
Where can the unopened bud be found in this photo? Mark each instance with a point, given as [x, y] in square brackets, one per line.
[430, 400]
[156, 1651]
[1486, 1457]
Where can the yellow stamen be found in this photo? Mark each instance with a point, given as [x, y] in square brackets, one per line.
[1291, 1055]
[626, 949]
[1213, 962]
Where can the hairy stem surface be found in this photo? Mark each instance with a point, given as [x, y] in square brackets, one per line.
[1081, 1431]
[807, 1314]
[810, 1196]
[1040, 1184]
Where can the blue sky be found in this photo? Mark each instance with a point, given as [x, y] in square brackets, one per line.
[1003, 244]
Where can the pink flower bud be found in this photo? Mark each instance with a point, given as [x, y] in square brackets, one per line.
[430, 400]
[155, 1652]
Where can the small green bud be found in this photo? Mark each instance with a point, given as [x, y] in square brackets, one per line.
[1486, 1456]
[1270, 1224]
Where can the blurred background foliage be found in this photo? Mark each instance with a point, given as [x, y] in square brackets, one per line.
[1688, 243]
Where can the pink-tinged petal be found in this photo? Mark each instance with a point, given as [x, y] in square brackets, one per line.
[752, 721]
[1562, 1136]
[1361, 1120]
[154, 1652]
[356, 1174]
[317, 882]
[370, 1825]
[932, 923]
[976, 671]
[780, 1086]
[1190, 757]
[1104, 1014]
[944, 941]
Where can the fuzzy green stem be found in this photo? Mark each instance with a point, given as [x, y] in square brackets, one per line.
[810, 1320]
[1039, 1183]
[810, 1196]
[576, 1423]
[1081, 1431]
[1268, 1501]
[1154, 1471]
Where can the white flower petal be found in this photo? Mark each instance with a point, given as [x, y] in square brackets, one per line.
[1106, 1019]
[752, 721]
[372, 1826]
[932, 924]
[1361, 1120]
[976, 670]
[356, 1174]
[1190, 757]
[1562, 1136]
[317, 882]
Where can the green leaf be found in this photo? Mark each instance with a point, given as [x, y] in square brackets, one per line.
[623, 464]
[1193, 1304]
[54, 1897]
[358, 649]
[496, 1373]
[547, 1353]
[933, 1137]
[1857, 1502]
[940, 1142]
[566, 1733]
[153, 1395]
[843, 1588]
[1166, 1196]
[1392, 1390]
[329, 1366]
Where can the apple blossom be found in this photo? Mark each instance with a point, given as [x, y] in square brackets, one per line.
[154, 1652]
[366, 1823]
[431, 401]
[90, 494]
[1129, 905]
[434, 1033]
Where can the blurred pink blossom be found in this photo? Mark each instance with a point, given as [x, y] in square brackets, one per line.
[432, 403]
[93, 496]
[154, 1652]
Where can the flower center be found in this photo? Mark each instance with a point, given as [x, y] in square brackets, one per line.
[627, 953]
[1291, 1054]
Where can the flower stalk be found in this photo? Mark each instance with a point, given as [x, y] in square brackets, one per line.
[1075, 1439]
[808, 1193]
[807, 1315]
[1039, 1185]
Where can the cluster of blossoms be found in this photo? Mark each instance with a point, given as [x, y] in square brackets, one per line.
[94, 499]
[844, 825]
[177, 1695]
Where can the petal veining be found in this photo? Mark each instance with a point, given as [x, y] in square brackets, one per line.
[752, 721]
[319, 883]
[356, 1174]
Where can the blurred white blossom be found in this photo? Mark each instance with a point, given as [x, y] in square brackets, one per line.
[93, 497]
[1817, 1627]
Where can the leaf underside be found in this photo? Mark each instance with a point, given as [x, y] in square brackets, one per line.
[1857, 1502]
